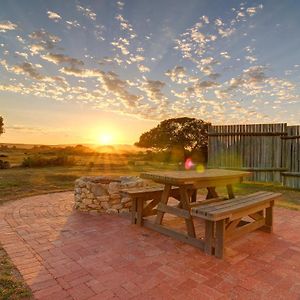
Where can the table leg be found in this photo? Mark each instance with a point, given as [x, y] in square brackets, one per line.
[230, 191]
[269, 218]
[194, 195]
[164, 200]
[211, 193]
[184, 199]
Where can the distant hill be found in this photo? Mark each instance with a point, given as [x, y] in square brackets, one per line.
[98, 148]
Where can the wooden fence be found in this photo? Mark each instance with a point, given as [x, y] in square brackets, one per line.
[270, 151]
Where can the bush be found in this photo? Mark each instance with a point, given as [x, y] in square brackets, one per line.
[4, 164]
[39, 161]
[91, 165]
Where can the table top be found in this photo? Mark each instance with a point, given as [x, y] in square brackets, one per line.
[191, 177]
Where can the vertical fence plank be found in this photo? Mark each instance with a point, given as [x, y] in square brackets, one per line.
[291, 178]
[270, 151]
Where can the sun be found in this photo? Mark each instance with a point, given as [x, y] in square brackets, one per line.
[105, 139]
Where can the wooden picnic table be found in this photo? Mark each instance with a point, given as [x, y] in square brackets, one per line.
[188, 181]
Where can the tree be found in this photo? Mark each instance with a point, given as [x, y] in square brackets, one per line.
[184, 135]
[1, 125]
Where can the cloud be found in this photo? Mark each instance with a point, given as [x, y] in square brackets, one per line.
[110, 84]
[23, 128]
[122, 44]
[194, 84]
[253, 10]
[7, 25]
[153, 90]
[27, 69]
[250, 58]
[256, 73]
[120, 5]
[225, 54]
[205, 19]
[142, 68]
[43, 41]
[22, 54]
[207, 84]
[177, 74]
[87, 12]
[61, 59]
[124, 24]
[226, 32]
[53, 16]
[20, 39]
[43, 35]
[36, 48]
[84, 73]
[60, 80]
[219, 22]
[72, 24]
[98, 32]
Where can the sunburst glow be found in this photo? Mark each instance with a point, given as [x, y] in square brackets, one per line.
[106, 139]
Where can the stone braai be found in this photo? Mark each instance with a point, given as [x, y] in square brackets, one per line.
[104, 194]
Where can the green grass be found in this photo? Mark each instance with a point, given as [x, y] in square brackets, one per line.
[21, 182]
[16, 183]
[12, 286]
[290, 199]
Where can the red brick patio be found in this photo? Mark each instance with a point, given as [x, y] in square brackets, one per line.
[64, 254]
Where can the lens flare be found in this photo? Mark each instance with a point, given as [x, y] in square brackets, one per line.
[200, 168]
[188, 164]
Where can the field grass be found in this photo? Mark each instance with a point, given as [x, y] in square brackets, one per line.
[16, 183]
[21, 182]
[12, 286]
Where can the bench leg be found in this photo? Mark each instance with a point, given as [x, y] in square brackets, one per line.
[133, 211]
[269, 219]
[220, 238]
[209, 235]
[139, 215]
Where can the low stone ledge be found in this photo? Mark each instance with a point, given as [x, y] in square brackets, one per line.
[104, 194]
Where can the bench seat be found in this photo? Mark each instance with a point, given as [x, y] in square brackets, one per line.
[223, 219]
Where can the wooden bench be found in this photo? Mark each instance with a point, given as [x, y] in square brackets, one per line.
[223, 219]
[145, 200]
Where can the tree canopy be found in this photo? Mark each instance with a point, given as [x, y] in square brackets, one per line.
[187, 133]
[1, 125]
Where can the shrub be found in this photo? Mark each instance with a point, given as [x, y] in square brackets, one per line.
[4, 164]
[91, 165]
[39, 161]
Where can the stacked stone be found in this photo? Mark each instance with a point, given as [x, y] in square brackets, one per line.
[104, 194]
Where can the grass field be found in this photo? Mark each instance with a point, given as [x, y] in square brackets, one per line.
[21, 182]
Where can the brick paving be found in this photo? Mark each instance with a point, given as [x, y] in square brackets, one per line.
[64, 254]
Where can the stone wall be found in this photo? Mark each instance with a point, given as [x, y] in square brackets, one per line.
[104, 194]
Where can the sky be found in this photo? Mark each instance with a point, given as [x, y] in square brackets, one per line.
[106, 71]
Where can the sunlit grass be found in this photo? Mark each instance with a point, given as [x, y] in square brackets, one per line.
[12, 285]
